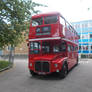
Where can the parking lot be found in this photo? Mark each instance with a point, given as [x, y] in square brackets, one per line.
[18, 79]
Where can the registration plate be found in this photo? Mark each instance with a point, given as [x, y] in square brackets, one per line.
[41, 73]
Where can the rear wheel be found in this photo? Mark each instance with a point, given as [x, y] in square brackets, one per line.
[63, 73]
[77, 61]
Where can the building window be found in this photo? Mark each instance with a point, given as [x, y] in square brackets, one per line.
[90, 35]
[79, 36]
[79, 47]
[84, 36]
[82, 25]
[86, 25]
[91, 47]
[90, 24]
[78, 26]
[85, 47]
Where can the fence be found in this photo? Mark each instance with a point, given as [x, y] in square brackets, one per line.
[86, 56]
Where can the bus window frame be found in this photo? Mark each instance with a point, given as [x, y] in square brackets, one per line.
[36, 18]
[38, 49]
[64, 22]
[51, 23]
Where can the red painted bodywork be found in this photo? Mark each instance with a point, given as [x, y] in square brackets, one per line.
[56, 31]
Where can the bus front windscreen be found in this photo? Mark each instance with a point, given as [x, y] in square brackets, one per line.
[37, 21]
[50, 19]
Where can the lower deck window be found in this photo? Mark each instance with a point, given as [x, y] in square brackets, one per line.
[35, 47]
[47, 47]
[56, 49]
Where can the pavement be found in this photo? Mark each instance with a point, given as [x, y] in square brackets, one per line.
[18, 79]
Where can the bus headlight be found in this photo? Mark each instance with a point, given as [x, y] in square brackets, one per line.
[57, 70]
[56, 65]
[30, 64]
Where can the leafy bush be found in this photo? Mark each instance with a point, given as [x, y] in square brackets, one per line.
[4, 64]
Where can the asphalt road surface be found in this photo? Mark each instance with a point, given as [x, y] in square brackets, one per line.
[18, 79]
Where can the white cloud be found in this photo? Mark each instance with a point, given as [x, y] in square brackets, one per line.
[72, 10]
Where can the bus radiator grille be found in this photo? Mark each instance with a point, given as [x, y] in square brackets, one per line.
[41, 66]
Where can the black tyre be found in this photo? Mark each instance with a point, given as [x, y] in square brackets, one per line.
[77, 61]
[32, 73]
[63, 73]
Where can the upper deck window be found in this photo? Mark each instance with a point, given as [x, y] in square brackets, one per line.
[62, 21]
[37, 21]
[50, 19]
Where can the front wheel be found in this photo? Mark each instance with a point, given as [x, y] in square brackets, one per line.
[32, 73]
[63, 73]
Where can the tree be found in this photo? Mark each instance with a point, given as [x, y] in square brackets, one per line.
[14, 19]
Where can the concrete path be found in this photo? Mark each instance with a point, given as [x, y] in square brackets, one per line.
[18, 79]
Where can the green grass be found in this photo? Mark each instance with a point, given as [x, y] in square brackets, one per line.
[4, 64]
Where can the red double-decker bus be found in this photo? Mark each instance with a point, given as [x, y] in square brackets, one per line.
[53, 45]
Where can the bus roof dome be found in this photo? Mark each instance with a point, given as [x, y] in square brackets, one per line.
[46, 14]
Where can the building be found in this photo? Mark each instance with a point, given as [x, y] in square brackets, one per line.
[21, 49]
[84, 29]
[1, 52]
